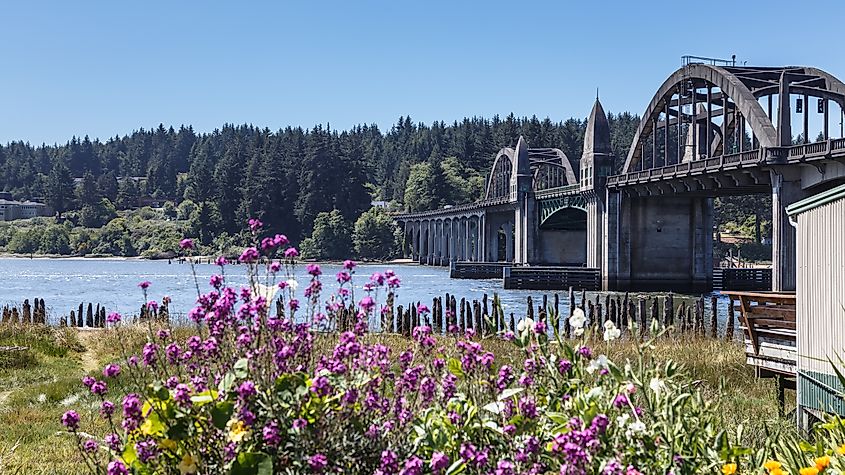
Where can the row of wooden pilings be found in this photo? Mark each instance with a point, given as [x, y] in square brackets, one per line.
[487, 317]
[27, 313]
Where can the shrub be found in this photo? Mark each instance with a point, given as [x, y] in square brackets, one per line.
[375, 234]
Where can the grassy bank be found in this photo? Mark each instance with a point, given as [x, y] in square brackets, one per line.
[37, 385]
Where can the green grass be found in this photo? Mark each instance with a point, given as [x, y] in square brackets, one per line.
[32, 441]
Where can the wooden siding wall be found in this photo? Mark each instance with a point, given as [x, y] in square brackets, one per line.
[821, 287]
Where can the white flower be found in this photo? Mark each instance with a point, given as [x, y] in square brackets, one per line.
[635, 427]
[610, 331]
[292, 284]
[656, 385]
[188, 465]
[579, 331]
[595, 393]
[622, 420]
[578, 319]
[597, 364]
[524, 325]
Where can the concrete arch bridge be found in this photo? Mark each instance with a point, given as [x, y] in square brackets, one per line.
[710, 130]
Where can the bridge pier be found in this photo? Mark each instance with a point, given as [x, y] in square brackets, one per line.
[658, 243]
[784, 193]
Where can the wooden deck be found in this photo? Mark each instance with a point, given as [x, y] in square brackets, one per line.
[768, 320]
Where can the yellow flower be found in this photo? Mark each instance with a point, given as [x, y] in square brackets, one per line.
[777, 471]
[237, 430]
[729, 468]
[168, 444]
[822, 462]
[841, 450]
[772, 465]
[188, 465]
[809, 471]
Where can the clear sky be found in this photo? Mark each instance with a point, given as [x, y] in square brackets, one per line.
[106, 68]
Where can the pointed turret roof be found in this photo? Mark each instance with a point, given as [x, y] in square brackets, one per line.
[597, 135]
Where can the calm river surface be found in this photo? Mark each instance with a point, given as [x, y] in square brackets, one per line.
[65, 283]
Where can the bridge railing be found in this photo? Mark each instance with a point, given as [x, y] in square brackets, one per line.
[557, 191]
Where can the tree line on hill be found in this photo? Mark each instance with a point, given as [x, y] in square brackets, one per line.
[311, 184]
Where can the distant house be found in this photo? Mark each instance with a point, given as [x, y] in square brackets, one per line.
[11, 210]
[379, 204]
[820, 302]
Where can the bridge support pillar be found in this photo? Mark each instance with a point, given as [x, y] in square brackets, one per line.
[658, 243]
[595, 234]
[784, 193]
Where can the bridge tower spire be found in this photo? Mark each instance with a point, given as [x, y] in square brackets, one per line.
[596, 165]
[522, 193]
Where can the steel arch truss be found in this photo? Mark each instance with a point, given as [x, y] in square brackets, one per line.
[693, 96]
[499, 183]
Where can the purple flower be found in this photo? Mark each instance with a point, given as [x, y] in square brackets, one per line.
[90, 446]
[99, 388]
[318, 462]
[413, 466]
[186, 244]
[255, 224]
[88, 381]
[182, 395]
[70, 419]
[152, 306]
[291, 252]
[145, 284]
[113, 317]
[620, 401]
[271, 434]
[367, 303]
[221, 261]
[107, 409]
[299, 423]
[113, 442]
[343, 277]
[111, 370]
[585, 351]
[321, 386]
[314, 270]
[246, 389]
[422, 309]
[563, 366]
[116, 467]
[389, 462]
[147, 450]
[249, 255]
[349, 265]
[439, 462]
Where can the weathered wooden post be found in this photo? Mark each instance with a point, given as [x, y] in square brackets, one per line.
[591, 313]
[89, 316]
[682, 323]
[599, 313]
[463, 320]
[544, 315]
[63, 321]
[643, 317]
[669, 310]
[566, 329]
[513, 323]
[15, 316]
[655, 310]
[26, 315]
[632, 316]
[729, 329]
[624, 316]
[690, 322]
[72, 319]
[611, 312]
[486, 313]
[478, 328]
[454, 303]
[557, 313]
[714, 316]
[530, 308]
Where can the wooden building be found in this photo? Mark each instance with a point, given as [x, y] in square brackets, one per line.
[820, 303]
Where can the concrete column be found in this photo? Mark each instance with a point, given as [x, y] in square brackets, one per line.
[466, 239]
[784, 193]
[508, 228]
[482, 238]
[420, 236]
[595, 219]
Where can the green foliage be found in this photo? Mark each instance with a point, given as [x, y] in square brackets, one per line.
[59, 192]
[374, 235]
[331, 239]
[97, 214]
[419, 190]
[25, 241]
[115, 239]
[55, 240]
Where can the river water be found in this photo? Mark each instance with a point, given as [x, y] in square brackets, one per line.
[65, 283]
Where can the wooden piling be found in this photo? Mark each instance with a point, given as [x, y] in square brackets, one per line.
[714, 316]
[729, 328]
[643, 316]
[530, 308]
[655, 310]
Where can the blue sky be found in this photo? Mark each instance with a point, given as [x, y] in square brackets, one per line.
[107, 68]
